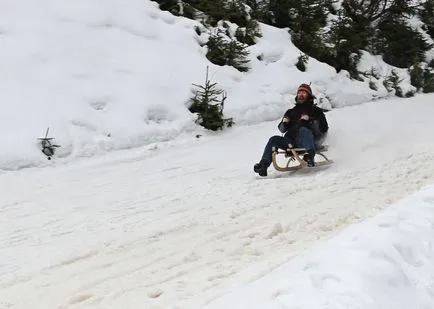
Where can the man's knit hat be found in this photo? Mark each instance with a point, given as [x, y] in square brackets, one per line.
[306, 88]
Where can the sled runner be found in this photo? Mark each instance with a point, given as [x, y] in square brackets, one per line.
[293, 155]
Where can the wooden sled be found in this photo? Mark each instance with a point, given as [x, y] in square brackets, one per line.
[293, 155]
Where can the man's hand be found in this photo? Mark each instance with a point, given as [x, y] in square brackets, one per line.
[304, 117]
[283, 125]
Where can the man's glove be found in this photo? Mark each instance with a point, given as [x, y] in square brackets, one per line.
[304, 121]
[283, 125]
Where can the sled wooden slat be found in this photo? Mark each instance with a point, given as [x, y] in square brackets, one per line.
[294, 155]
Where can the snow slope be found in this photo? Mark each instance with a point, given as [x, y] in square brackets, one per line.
[383, 262]
[180, 221]
[184, 223]
[104, 75]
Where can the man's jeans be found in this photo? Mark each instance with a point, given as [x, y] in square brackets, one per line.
[305, 139]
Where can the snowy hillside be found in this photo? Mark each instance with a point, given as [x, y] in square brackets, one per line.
[177, 219]
[189, 225]
[104, 75]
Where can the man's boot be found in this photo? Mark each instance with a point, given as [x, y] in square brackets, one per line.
[309, 158]
[261, 168]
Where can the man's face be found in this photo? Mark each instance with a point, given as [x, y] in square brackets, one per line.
[302, 96]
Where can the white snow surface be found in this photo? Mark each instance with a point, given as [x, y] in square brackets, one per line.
[187, 224]
[182, 222]
[106, 75]
[383, 262]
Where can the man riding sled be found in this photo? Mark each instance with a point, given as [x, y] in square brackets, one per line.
[304, 126]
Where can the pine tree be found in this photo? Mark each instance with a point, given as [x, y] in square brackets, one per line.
[345, 40]
[428, 80]
[400, 45]
[422, 78]
[305, 18]
[379, 10]
[427, 16]
[248, 34]
[258, 9]
[222, 51]
[209, 108]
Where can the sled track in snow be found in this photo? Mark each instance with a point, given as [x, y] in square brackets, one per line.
[134, 234]
[132, 251]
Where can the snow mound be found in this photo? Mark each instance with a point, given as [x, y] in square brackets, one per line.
[383, 262]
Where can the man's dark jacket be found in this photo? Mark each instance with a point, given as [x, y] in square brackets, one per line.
[317, 121]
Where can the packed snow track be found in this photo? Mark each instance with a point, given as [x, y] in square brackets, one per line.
[179, 225]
